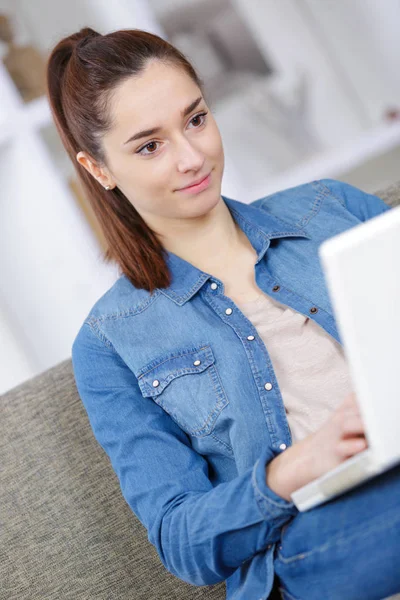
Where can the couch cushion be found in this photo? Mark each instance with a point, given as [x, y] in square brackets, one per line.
[390, 194]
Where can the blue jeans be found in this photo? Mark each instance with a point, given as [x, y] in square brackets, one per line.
[345, 549]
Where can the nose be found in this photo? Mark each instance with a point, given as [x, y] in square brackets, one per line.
[189, 158]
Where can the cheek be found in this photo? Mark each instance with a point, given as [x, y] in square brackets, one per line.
[216, 143]
[148, 175]
[126, 170]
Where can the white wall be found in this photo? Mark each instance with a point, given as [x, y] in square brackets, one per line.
[15, 363]
[362, 40]
[286, 36]
[50, 21]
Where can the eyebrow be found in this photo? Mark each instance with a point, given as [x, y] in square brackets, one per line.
[147, 132]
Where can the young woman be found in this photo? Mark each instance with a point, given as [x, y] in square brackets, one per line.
[212, 371]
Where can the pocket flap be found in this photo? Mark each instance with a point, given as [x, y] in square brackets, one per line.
[154, 377]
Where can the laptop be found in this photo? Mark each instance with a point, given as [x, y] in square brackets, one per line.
[362, 273]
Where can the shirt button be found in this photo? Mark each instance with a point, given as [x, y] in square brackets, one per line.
[213, 286]
[228, 311]
[156, 383]
[250, 337]
[268, 386]
[282, 446]
[197, 362]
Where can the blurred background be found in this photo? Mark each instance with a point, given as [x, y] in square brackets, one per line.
[301, 89]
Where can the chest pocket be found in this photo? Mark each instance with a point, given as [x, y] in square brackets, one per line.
[187, 385]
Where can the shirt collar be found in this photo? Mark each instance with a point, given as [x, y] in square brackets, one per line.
[258, 224]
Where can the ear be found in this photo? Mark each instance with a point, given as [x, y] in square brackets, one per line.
[100, 174]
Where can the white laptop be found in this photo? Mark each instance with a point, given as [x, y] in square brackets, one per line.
[362, 274]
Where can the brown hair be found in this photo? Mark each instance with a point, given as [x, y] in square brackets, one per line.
[82, 71]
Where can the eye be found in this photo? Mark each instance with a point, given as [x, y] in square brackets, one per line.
[140, 151]
[153, 143]
[203, 114]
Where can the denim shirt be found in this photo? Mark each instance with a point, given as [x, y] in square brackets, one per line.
[181, 394]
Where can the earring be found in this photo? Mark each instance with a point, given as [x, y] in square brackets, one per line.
[107, 187]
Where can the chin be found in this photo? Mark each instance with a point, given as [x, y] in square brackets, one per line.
[210, 203]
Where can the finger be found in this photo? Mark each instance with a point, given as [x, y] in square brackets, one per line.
[351, 412]
[353, 425]
[350, 401]
[350, 398]
[347, 404]
[346, 448]
[349, 408]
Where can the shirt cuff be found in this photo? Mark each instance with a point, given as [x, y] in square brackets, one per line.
[271, 505]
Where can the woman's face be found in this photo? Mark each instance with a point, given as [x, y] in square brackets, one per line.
[151, 169]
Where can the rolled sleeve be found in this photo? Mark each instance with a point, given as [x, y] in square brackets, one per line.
[272, 506]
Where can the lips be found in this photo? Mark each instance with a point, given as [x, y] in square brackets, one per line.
[195, 182]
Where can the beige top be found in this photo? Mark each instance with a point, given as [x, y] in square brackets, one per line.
[309, 364]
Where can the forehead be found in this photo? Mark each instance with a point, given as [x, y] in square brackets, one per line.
[148, 99]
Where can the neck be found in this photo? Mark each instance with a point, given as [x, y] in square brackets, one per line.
[211, 244]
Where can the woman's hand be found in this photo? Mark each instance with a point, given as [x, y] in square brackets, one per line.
[341, 436]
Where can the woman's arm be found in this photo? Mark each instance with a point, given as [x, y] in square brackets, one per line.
[202, 533]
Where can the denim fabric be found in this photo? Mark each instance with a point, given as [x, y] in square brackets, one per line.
[347, 549]
[185, 402]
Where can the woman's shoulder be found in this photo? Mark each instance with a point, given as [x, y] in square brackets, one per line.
[305, 200]
[121, 299]
[305, 193]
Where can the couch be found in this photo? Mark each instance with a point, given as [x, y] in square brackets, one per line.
[66, 531]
